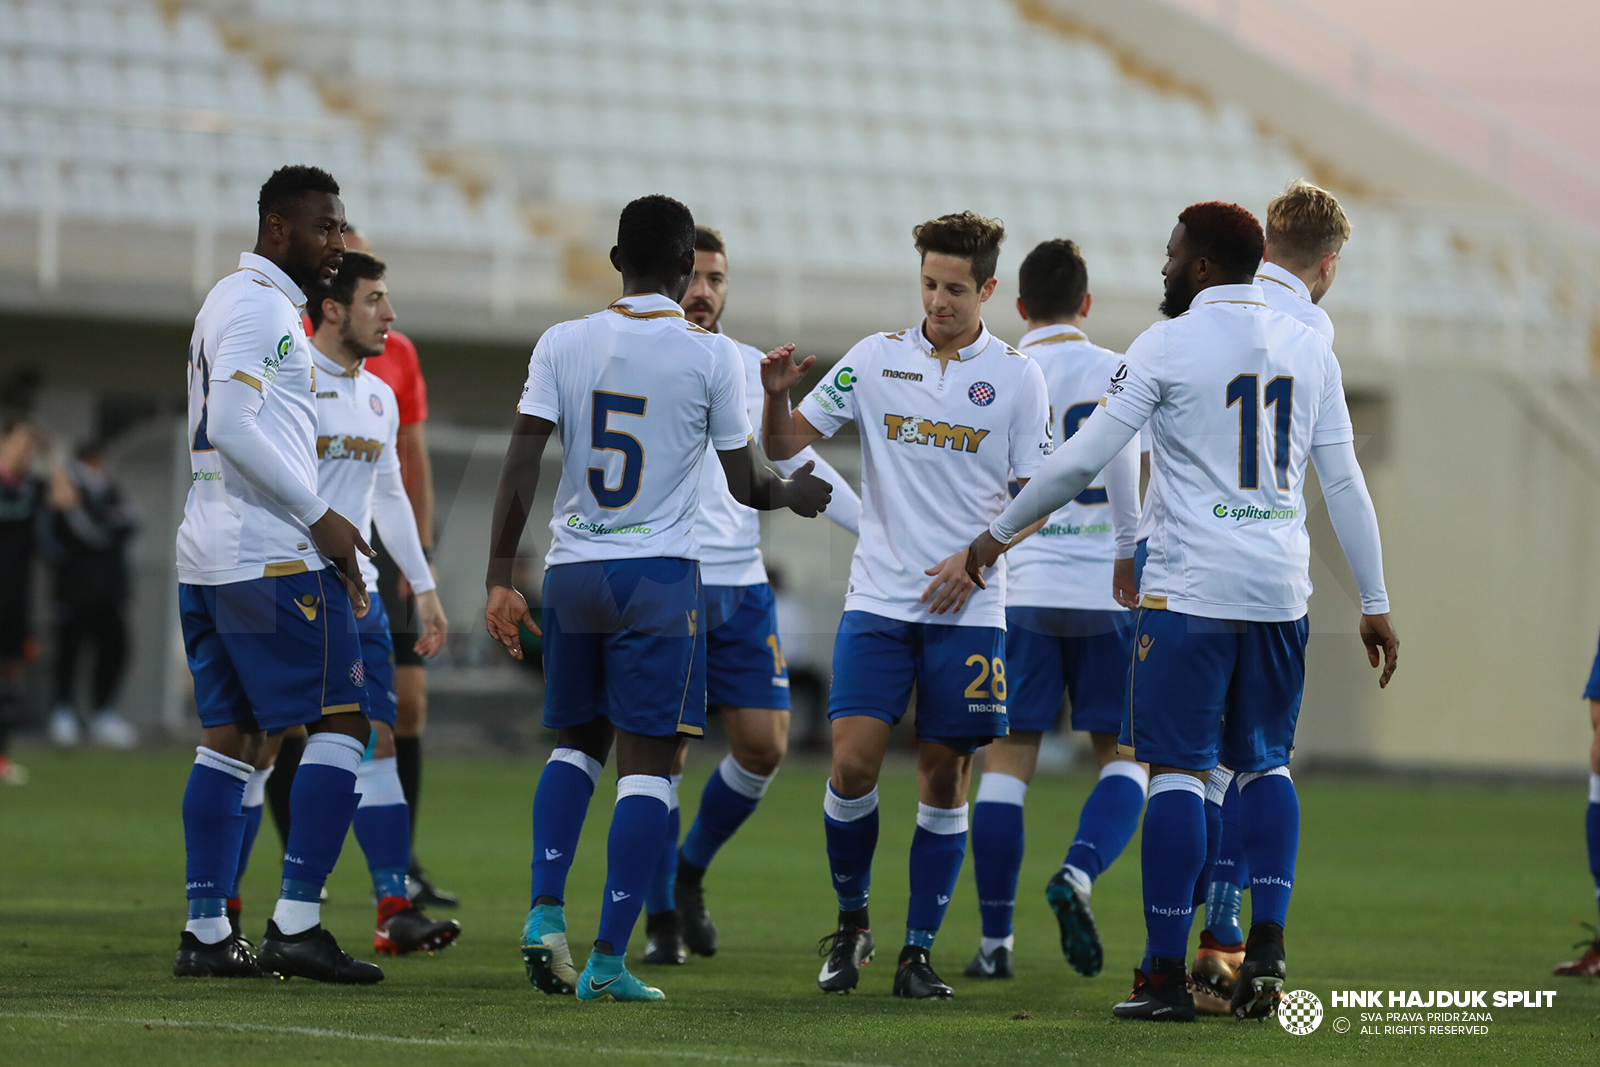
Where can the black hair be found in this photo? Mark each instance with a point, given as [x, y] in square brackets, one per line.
[966, 234]
[1053, 280]
[288, 184]
[654, 233]
[1226, 234]
[708, 240]
[354, 267]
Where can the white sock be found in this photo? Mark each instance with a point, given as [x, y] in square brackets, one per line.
[992, 943]
[296, 916]
[211, 930]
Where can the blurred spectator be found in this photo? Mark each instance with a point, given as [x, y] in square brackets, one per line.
[25, 502]
[89, 548]
[808, 685]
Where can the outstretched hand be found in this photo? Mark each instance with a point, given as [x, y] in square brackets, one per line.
[507, 609]
[780, 373]
[807, 495]
[1377, 633]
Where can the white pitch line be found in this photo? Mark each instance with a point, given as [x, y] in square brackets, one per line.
[396, 1039]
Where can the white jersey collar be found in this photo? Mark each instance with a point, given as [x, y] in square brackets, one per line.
[1054, 334]
[273, 273]
[325, 362]
[1230, 294]
[646, 306]
[1272, 274]
[962, 354]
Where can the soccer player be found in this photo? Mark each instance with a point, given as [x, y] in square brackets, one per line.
[269, 592]
[947, 413]
[1305, 233]
[1064, 633]
[1237, 398]
[747, 678]
[1588, 965]
[637, 391]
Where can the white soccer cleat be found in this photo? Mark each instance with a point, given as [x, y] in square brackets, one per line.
[64, 729]
[109, 729]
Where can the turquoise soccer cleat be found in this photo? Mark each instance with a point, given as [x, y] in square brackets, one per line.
[605, 978]
[545, 953]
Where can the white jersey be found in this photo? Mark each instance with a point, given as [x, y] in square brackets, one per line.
[249, 330]
[358, 468]
[637, 391]
[1067, 563]
[1288, 294]
[937, 451]
[730, 533]
[1235, 395]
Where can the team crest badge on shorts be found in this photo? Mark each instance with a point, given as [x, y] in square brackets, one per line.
[981, 394]
[358, 674]
[375, 403]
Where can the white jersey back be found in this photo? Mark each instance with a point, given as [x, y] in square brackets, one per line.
[249, 330]
[1284, 292]
[730, 533]
[637, 392]
[937, 451]
[1068, 562]
[1234, 396]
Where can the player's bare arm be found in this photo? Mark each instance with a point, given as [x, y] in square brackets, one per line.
[954, 578]
[784, 432]
[338, 539]
[519, 482]
[756, 485]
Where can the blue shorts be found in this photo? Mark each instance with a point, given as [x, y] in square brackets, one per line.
[1141, 556]
[1082, 652]
[271, 653]
[744, 658]
[959, 674]
[377, 654]
[1592, 690]
[1203, 689]
[622, 642]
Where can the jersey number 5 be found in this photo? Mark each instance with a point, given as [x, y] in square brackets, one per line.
[1245, 391]
[602, 438]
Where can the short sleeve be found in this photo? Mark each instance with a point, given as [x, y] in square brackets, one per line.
[1030, 435]
[832, 403]
[541, 397]
[252, 344]
[1134, 390]
[730, 420]
[1333, 426]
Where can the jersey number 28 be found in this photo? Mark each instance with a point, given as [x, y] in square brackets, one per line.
[602, 438]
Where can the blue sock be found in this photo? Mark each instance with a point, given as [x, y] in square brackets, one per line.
[1269, 821]
[1109, 818]
[1225, 893]
[321, 805]
[255, 795]
[997, 844]
[213, 830]
[731, 794]
[851, 827]
[937, 849]
[560, 804]
[1592, 826]
[662, 894]
[1213, 843]
[1174, 850]
[383, 826]
[633, 849]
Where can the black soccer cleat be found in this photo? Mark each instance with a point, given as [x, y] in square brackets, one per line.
[313, 954]
[914, 978]
[848, 949]
[226, 959]
[997, 965]
[423, 893]
[1164, 997]
[403, 929]
[1080, 937]
[663, 941]
[1262, 974]
[699, 932]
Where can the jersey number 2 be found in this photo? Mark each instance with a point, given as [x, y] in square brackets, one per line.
[602, 438]
[1245, 391]
[201, 442]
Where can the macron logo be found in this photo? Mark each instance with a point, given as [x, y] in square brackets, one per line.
[841, 878]
[618, 896]
[552, 853]
[942, 899]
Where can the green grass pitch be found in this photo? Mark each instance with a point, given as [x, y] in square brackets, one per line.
[1399, 887]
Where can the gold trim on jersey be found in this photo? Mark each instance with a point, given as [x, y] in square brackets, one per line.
[248, 379]
[340, 709]
[1275, 281]
[663, 313]
[299, 304]
[1257, 303]
[1056, 339]
[1153, 602]
[281, 570]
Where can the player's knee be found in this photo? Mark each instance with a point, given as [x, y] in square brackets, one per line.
[854, 774]
[761, 756]
[592, 738]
